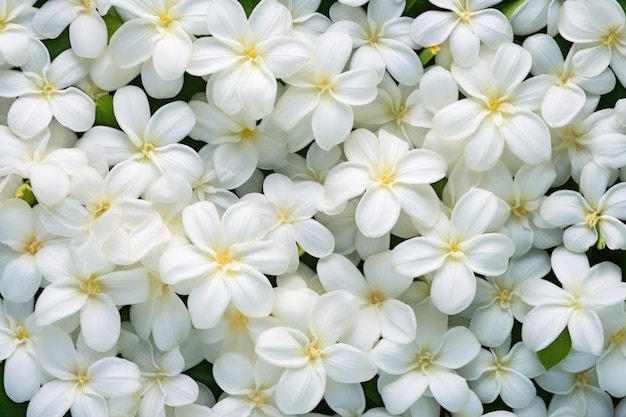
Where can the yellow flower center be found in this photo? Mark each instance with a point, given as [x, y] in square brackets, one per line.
[147, 149]
[519, 210]
[239, 319]
[48, 90]
[494, 103]
[91, 286]
[102, 209]
[257, 398]
[223, 259]
[324, 85]
[247, 133]
[610, 38]
[251, 54]
[435, 49]
[87, 4]
[619, 337]
[423, 359]
[376, 299]
[580, 379]
[33, 247]
[21, 334]
[82, 379]
[313, 351]
[591, 219]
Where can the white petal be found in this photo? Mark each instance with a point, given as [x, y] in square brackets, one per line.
[226, 19]
[131, 44]
[74, 109]
[418, 256]
[488, 254]
[52, 400]
[251, 292]
[345, 181]
[464, 44]
[517, 390]
[332, 122]
[585, 330]
[58, 301]
[314, 238]
[282, 346]
[347, 364]
[510, 65]
[132, 111]
[473, 213]
[453, 287]
[284, 56]
[528, 137]
[170, 124]
[492, 27]
[331, 315]
[459, 119]
[579, 237]
[492, 324]
[432, 27]
[449, 389]
[180, 390]
[233, 373]
[589, 62]
[401, 393]
[21, 279]
[402, 62]
[377, 211]
[211, 291]
[29, 115]
[113, 377]
[21, 375]
[171, 54]
[99, 313]
[301, 389]
[293, 106]
[88, 36]
[209, 55]
[397, 321]
[543, 324]
[355, 87]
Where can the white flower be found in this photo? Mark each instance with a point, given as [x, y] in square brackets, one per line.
[227, 261]
[80, 381]
[427, 365]
[376, 291]
[312, 355]
[45, 90]
[381, 39]
[575, 306]
[498, 299]
[455, 249]
[247, 55]
[27, 243]
[48, 160]
[593, 215]
[566, 97]
[504, 372]
[498, 109]
[149, 140]
[88, 32]
[323, 90]
[240, 145]
[250, 385]
[389, 178]
[599, 27]
[18, 338]
[159, 36]
[16, 33]
[611, 364]
[162, 380]
[93, 290]
[464, 27]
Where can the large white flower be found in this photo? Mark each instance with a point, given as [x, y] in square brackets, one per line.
[426, 366]
[576, 305]
[226, 262]
[465, 26]
[592, 216]
[455, 249]
[381, 39]
[88, 32]
[498, 109]
[247, 55]
[16, 32]
[389, 177]
[92, 288]
[158, 35]
[45, 90]
[324, 91]
[312, 354]
[79, 380]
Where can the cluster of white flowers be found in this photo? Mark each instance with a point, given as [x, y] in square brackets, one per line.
[205, 213]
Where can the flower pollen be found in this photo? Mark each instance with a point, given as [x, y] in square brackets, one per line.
[619, 337]
[223, 259]
[48, 90]
[33, 247]
[423, 359]
[519, 210]
[591, 219]
[21, 334]
[610, 38]
[313, 351]
[257, 398]
[102, 209]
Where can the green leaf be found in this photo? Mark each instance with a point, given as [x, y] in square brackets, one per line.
[104, 111]
[59, 44]
[249, 5]
[371, 393]
[203, 372]
[416, 7]
[509, 6]
[556, 351]
[113, 21]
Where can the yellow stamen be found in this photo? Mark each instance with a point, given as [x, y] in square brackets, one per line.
[610, 38]
[592, 219]
[494, 104]
[21, 334]
[223, 259]
[102, 209]
[48, 89]
[146, 149]
[376, 299]
[257, 399]
[92, 286]
[33, 247]
[423, 359]
[519, 211]
[246, 133]
[313, 352]
[251, 54]
[619, 337]
[435, 49]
